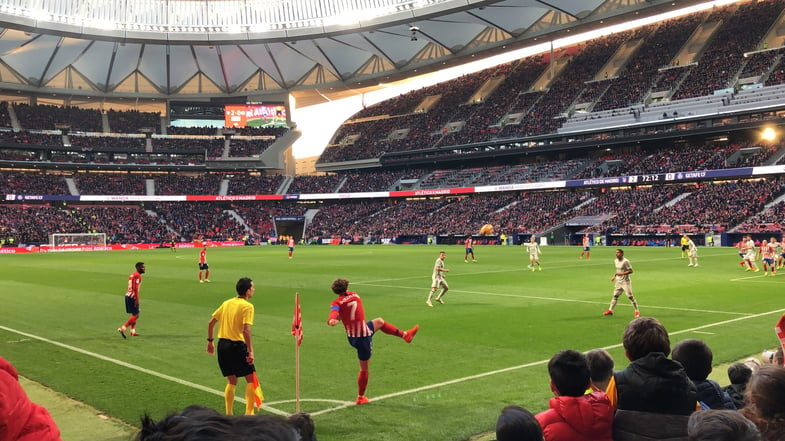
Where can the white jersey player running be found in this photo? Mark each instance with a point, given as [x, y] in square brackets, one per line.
[534, 253]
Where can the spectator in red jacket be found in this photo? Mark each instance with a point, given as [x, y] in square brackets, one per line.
[573, 414]
[20, 418]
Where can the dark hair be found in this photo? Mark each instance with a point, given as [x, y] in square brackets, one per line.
[739, 373]
[340, 286]
[243, 285]
[721, 425]
[569, 372]
[207, 425]
[643, 336]
[304, 425]
[695, 356]
[139, 265]
[765, 405]
[517, 424]
[600, 365]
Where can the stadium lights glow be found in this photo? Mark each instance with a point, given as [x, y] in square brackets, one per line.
[768, 134]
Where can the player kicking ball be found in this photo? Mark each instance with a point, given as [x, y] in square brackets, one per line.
[348, 308]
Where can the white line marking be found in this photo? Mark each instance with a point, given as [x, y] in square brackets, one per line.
[135, 367]
[379, 398]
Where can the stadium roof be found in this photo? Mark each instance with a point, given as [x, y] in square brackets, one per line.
[316, 50]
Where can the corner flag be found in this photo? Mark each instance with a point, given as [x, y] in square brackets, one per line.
[297, 322]
[258, 396]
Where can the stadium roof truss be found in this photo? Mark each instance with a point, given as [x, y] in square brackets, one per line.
[223, 48]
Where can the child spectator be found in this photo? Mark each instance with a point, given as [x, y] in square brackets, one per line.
[765, 406]
[696, 357]
[601, 368]
[517, 424]
[738, 374]
[573, 414]
[652, 382]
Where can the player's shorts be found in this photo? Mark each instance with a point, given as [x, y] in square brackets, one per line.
[741, 255]
[685, 247]
[586, 249]
[469, 250]
[130, 306]
[782, 255]
[364, 345]
[231, 358]
[769, 260]
[693, 253]
[291, 249]
[203, 266]
[749, 256]
[437, 282]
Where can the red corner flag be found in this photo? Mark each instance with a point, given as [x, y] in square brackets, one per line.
[297, 323]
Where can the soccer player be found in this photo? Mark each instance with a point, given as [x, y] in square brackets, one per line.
[748, 248]
[692, 252]
[438, 280]
[132, 300]
[469, 242]
[534, 253]
[685, 245]
[172, 245]
[290, 244]
[623, 283]
[203, 266]
[348, 308]
[586, 247]
[768, 252]
[235, 350]
[739, 246]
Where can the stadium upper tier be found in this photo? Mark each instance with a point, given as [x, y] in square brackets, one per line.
[717, 62]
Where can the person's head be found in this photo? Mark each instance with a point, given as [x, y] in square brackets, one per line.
[765, 392]
[643, 336]
[517, 424]
[569, 373]
[695, 356]
[619, 253]
[340, 286]
[442, 255]
[721, 425]
[304, 425]
[139, 267]
[532, 239]
[245, 287]
[739, 373]
[600, 367]
[208, 425]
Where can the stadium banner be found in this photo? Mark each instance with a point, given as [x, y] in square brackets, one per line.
[236, 197]
[323, 196]
[431, 192]
[594, 182]
[520, 187]
[741, 172]
[768, 170]
[112, 247]
[131, 198]
[32, 197]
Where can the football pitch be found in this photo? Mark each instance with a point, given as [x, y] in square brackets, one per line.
[485, 348]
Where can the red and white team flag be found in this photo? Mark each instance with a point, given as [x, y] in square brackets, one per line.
[780, 330]
[297, 322]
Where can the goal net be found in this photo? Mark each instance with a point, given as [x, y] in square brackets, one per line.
[77, 241]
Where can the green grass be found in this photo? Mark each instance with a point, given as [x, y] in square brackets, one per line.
[486, 348]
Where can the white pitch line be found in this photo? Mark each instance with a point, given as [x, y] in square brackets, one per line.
[379, 398]
[134, 367]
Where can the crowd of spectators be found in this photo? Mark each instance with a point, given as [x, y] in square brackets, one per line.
[131, 121]
[202, 220]
[315, 184]
[33, 183]
[111, 183]
[249, 184]
[32, 224]
[742, 29]
[176, 184]
[49, 117]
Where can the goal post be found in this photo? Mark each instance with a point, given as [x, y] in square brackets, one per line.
[77, 241]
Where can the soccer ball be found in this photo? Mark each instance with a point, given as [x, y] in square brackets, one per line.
[486, 229]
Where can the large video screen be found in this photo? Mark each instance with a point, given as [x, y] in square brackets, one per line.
[255, 115]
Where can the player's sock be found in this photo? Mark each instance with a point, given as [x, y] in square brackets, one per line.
[129, 322]
[634, 302]
[362, 382]
[229, 398]
[392, 330]
[249, 398]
